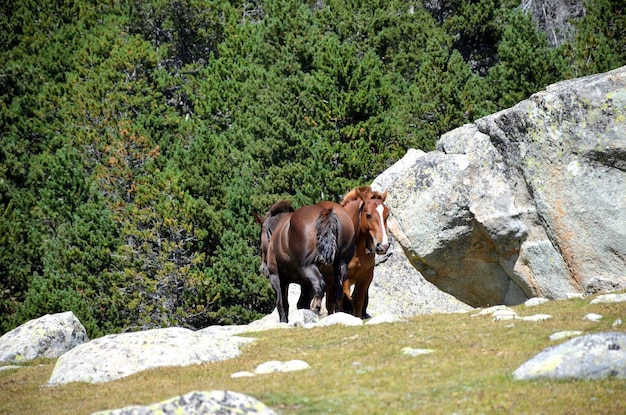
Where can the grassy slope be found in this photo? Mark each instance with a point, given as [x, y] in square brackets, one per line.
[362, 370]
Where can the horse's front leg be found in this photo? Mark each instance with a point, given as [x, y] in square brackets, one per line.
[282, 301]
[347, 304]
[360, 294]
[365, 303]
[275, 282]
[283, 312]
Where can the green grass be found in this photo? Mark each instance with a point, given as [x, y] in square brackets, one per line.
[362, 370]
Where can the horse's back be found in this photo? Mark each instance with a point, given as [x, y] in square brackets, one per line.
[302, 223]
[302, 233]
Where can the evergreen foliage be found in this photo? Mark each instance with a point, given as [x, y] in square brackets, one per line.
[137, 137]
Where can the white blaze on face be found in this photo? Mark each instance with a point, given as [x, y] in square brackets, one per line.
[381, 209]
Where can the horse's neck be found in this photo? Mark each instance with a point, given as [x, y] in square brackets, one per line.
[354, 211]
[355, 215]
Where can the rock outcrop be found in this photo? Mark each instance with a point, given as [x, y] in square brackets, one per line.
[49, 336]
[527, 202]
[199, 403]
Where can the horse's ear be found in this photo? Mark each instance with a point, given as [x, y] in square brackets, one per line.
[364, 193]
[384, 196]
[257, 218]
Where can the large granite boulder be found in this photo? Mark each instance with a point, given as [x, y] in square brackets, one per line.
[119, 355]
[526, 202]
[400, 290]
[49, 336]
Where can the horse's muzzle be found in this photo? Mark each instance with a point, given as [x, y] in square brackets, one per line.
[263, 269]
[381, 248]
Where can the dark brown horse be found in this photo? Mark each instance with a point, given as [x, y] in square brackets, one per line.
[311, 246]
[369, 216]
[268, 225]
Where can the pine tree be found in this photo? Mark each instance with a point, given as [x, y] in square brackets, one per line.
[600, 44]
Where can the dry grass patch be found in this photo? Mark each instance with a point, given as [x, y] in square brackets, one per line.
[362, 370]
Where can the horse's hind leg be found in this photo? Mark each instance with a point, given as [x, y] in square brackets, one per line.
[314, 276]
[331, 297]
[330, 304]
[306, 295]
[340, 274]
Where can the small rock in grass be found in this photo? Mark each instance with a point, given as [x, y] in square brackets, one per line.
[274, 366]
[593, 317]
[243, 374]
[609, 298]
[409, 351]
[560, 335]
[537, 317]
[535, 301]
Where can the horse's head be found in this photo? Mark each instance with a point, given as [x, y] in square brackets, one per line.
[373, 222]
[264, 243]
[373, 214]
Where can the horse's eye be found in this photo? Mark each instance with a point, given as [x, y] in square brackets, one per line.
[368, 216]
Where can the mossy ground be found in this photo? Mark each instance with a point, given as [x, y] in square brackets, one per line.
[362, 370]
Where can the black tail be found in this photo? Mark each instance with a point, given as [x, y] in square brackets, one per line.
[327, 225]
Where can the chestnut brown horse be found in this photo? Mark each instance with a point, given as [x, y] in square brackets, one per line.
[310, 246]
[369, 215]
